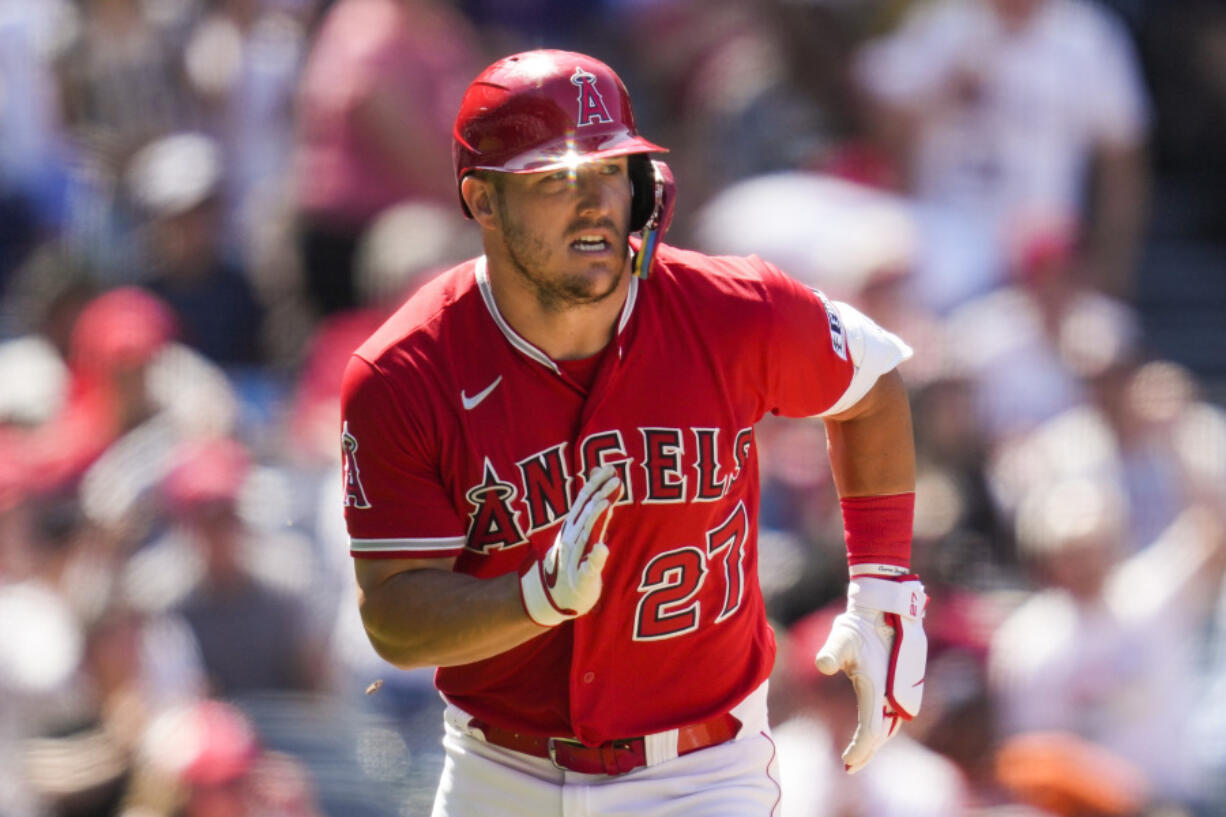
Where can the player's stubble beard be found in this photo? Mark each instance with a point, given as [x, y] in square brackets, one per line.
[529, 254]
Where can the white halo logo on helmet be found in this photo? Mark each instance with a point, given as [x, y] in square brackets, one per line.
[592, 110]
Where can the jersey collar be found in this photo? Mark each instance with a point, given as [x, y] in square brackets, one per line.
[526, 348]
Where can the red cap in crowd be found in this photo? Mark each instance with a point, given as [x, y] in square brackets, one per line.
[205, 471]
[122, 328]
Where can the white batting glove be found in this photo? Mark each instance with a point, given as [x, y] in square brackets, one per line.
[880, 643]
[565, 582]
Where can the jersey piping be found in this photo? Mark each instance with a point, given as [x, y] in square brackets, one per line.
[398, 545]
[515, 339]
[631, 296]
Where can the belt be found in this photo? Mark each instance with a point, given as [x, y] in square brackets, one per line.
[611, 757]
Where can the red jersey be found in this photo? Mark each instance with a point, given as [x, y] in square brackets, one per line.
[462, 439]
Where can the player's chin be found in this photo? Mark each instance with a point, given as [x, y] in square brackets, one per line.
[601, 270]
[592, 285]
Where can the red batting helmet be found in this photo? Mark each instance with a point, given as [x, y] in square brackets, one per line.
[541, 110]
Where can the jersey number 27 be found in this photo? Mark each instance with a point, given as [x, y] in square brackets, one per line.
[669, 605]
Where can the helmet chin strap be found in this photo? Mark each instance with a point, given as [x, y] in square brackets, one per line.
[659, 220]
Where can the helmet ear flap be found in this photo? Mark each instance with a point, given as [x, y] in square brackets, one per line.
[651, 207]
[643, 190]
[653, 193]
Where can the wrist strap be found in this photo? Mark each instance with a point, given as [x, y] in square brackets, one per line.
[878, 529]
[879, 570]
[905, 598]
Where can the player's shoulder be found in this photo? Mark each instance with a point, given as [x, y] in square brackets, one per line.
[741, 282]
[402, 362]
[717, 277]
[422, 321]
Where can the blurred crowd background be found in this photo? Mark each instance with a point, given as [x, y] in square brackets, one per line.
[206, 204]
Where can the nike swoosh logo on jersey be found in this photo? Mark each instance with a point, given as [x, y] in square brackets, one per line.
[471, 402]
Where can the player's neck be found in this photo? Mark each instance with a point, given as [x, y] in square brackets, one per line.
[562, 331]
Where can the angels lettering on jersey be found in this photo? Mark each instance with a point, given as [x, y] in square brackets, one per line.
[656, 465]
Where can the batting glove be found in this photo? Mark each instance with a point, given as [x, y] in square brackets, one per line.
[880, 643]
[565, 582]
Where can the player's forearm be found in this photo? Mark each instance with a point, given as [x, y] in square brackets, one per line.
[437, 618]
[872, 450]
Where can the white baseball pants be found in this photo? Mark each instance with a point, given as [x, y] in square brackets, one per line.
[734, 779]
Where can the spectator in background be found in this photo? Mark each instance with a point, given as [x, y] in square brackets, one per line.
[135, 393]
[1125, 433]
[839, 236]
[720, 77]
[120, 84]
[47, 293]
[999, 111]
[1061, 388]
[176, 181]
[243, 59]
[114, 342]
[120, 78]
[253, 636]
[205, 759]
[1007, 343]
[1105, 648]
[32, 150]
[84, 668]
[121, 685]
[377, 103]
[42, 639]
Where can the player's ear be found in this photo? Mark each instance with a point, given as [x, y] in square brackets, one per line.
[478, 193]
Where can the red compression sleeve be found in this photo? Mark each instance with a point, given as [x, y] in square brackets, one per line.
[878, 528]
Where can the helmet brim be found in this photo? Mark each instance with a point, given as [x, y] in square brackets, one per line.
[573, 151]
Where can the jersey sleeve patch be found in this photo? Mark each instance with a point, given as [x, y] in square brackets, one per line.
[838, 337]
[874, 351]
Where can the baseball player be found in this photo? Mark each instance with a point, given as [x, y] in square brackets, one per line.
[552, 484]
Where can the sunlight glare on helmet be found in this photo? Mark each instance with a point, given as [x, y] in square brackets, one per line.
[535, 66]
[568, 158]
[572, 159]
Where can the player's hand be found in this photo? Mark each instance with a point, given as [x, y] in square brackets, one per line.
[880, 643]
[565, 583]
